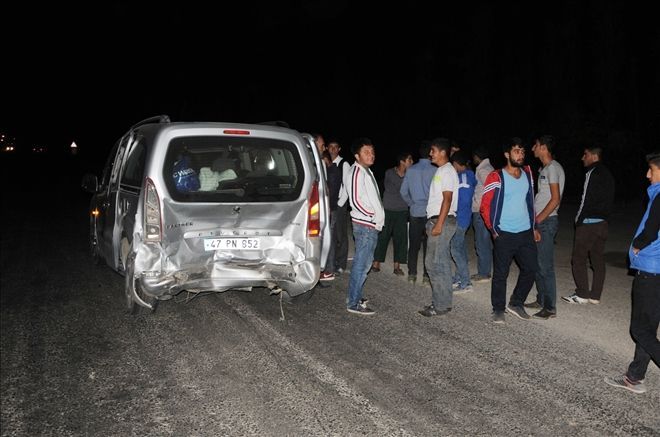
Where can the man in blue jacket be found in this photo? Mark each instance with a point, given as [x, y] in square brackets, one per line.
[644, 256]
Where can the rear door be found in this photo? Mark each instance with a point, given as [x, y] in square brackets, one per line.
[324, 199]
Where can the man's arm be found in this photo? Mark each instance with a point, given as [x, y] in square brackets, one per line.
[552, 204]
[650, 232]
[442, 215]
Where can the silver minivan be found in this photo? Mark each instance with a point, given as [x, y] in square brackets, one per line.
[201, 206]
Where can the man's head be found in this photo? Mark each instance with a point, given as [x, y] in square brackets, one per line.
[424, 149]
[334, 148]
[514, 152]
[440, 150]
[455, 147]
[479, 154]
[543, 146]
[364, 152]
[591, 154]
[404, 159]
[653, 174]
[320, 142]
[460, 160]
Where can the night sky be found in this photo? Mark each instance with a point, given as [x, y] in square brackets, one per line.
[477, 72]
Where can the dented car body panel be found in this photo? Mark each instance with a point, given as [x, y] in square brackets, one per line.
[211, 207]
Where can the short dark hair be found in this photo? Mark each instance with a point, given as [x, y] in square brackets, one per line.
[654, 158]
[596, 150]
[402, 156]
[358, 143]
[442, 144]
[461, 157]
[515, 141]
[548, 141]
[424, 149]
[481, 152]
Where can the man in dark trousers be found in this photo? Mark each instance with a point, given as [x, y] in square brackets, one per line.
[591, 228]
[507, 207]
[644, 254]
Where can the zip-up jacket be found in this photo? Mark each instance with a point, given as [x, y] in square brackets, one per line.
[492, 201]
[364, 197]
[647, 237]
[597, 195]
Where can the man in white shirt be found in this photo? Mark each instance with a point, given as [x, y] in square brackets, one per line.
[440, 228]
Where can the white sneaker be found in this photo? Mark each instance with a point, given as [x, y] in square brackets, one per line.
[594, 301]
[574, 298]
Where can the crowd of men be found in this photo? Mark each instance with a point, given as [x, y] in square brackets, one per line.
[438, 198]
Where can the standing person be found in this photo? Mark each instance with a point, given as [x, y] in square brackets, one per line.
[340, 230]
[396, 217]
[546, 204]
[483, 241]
[440, 228]
[591, 228]
[507, 208]
[320, 142]
[466, 185]
[415, 192]
[368, 217]
[334, 184]
[644, 254]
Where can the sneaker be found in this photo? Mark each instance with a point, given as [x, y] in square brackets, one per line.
[398, 272]
[455, 285]
[533, 305]
[360, 309]
[518, 311]
[412, 278]
[594, 301]
[363, 302]
[545, 314]
[498, 317]
[432, 311]
[574, 298]
[624, 382]
[325, 276]
[466, 289]
[477, 278]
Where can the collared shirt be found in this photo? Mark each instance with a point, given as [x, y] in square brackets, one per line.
[416, 185]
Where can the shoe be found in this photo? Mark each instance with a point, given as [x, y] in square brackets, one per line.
[363, 302]
[398, 272]
[432, 311]
[325, 276]
[624, 382]
[594, 301]
[574, 298]
[466, 289]
[375, 269]
[360, 309]
[477, 278]
[426, 280]
[518, 311]
[533, 305]
[498, 317]
[412, 278]
[545, 314]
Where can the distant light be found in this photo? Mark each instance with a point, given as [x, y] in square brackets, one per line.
[74, 145]
[73, 148]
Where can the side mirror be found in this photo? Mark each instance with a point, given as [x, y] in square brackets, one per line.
[90, 183]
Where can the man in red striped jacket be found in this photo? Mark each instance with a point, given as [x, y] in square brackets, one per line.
[507, 207]
[368, 218]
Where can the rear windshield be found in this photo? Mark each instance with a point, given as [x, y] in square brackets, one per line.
[233, 169]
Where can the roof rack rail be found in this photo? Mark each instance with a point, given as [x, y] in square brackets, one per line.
[279, 123]
[155, 119]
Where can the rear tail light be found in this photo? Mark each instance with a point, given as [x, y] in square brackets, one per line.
[314, 216]
[152, 220]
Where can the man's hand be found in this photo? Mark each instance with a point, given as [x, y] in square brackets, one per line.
[635, 250]
[437, 229]
[537, 235]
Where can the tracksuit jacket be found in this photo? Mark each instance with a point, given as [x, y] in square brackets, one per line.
[648, 258]
[364, 197]
[493, 200]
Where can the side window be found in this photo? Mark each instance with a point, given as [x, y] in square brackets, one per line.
[119, 158]
[107, 169]
[134, 167]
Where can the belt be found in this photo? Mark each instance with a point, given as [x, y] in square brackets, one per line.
[435, 217]
[643, 273]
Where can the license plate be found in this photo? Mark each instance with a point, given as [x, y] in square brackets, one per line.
[232, 243]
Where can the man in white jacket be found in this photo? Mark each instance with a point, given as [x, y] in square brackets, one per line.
[368, 218]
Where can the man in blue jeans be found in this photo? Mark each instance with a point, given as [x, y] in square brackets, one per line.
[644, 254]
[546, 204]
[440, 228]
[368, 218]
[466, 183]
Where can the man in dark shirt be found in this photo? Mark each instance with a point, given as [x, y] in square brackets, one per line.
[644, 256]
